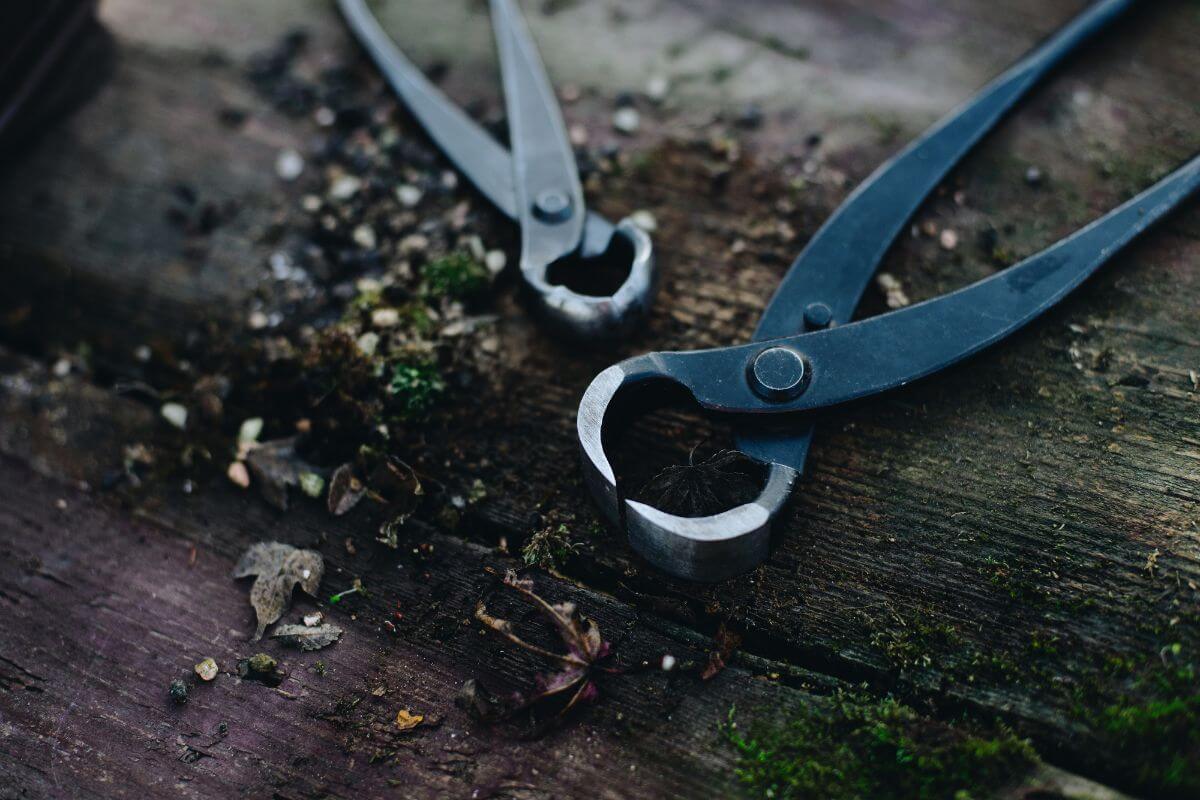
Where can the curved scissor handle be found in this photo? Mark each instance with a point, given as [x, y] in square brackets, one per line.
[709, 548]
[589, 317]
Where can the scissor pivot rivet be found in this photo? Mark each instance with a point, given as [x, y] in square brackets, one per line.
[552, 206]
[778, 373]
[817, 316]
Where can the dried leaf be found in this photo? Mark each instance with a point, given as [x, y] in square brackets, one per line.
[345, 490]
[406, 720]
[726, 641]
[396, 483]
[584, 645]
[275, 466]
[306, 637]
[278, 568]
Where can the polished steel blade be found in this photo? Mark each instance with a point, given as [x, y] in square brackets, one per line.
[546, 179]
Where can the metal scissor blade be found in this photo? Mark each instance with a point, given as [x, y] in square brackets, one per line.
[470, 147]
[837, 264]
[546, 179]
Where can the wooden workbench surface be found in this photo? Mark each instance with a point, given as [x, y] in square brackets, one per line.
[1009, 550]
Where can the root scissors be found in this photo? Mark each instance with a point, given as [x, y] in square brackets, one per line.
[537, 184]
[806, 353]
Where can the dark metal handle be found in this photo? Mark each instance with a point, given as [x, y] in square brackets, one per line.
[838, 262]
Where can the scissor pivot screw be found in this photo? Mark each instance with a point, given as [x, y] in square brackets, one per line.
[552, 206]
[817, 316]
[778, 374]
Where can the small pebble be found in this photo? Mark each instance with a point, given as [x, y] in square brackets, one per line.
[178, 692]
[948, 239]
[475, 247]
[569, 93]
[344, 187]
[367, 343]
[257, 321]
[312, 485]
[289, 164]
[385, 318]
[325, 116]
[310, 203]
[281, 265]
[142, 353]
[364, 237]
[668, 662]
[61, 368]
[175, 414]
[450, 180]
[578, 135]
[627, 120]
[657, 88]
[495, 261]
[414, 243]
[1033, 176]
[206, 669]
[644, 220]
[250, 430]
[893, 291]
[409, 195]
[238, 474]
[314, 619]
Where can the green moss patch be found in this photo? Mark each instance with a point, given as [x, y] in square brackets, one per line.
[415, 388]
[456, 276]
[856, 746]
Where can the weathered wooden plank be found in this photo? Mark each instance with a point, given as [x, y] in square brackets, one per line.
[105, 610]
[1017, 537]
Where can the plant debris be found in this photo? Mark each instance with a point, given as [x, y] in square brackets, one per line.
[854, 746]
[700, 488]
[345, 490]
[206, 670]
[307, 637]
[275, 466]
[727, 641]
[278, 568]
[574, 678]
[262, 668]
[356, 587]
[175, 414]
[549, 547]
[178, 691]
[406, 720]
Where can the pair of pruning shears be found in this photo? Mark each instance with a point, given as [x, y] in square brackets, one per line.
[807, 355]
[537, 184]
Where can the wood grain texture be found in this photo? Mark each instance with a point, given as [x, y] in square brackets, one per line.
[1018, 538]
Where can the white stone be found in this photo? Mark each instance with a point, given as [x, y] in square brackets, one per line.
[289, 164]
[409, 195]
[627, 120]
[175, 414]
